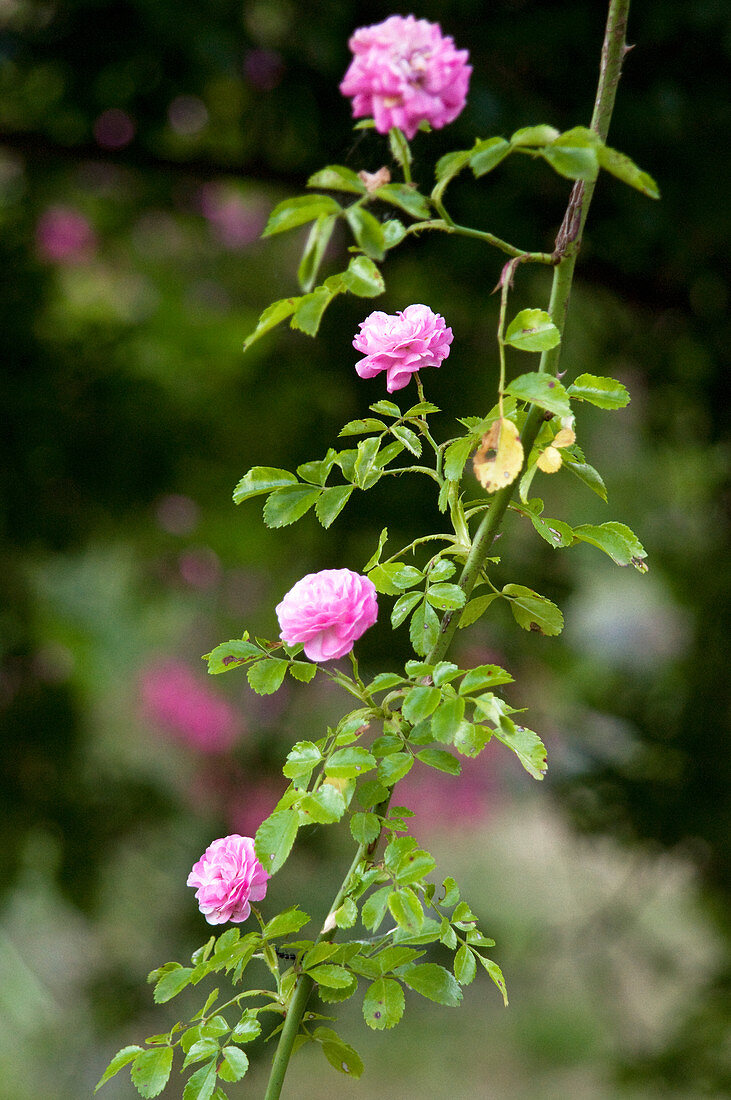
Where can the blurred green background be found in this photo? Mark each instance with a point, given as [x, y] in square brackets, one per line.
[142, 144]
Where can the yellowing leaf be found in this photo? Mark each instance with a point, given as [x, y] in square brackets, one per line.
[564, 437]
[549, 460]
[499, 459]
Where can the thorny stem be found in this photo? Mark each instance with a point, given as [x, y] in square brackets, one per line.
[446, 225]
[564, 257]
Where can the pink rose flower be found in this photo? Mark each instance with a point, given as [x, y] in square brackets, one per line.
[401, 343]
[328, 611]
[228, 875]
[404, 72]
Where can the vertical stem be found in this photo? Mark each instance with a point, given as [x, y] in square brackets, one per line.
[567, 247]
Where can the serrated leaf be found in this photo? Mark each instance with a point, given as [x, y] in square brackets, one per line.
[350, 762]
[275, 837]
[406, 910]
[340, 1055]
[470, 740]
[456, 456]
[532, 330]
[247, 1029]
[414, 866]
[171, 984]
[394, 767]
[406, 198]
[230, 655]
[287, 505]
[446, 597]
[297, 211]
[451, 892]
[360, 427]
[336, 177]
[554, 531]
[291, 920]
[534, 135]
[331, 503]
[367, 231]
[533, 611]
[383, 1005]
[374, 909]
[363, 278]
[383, 576]
[308, 314]
[331, 976]
[499, 459]
[615, 539]
[386, 408]
[447, 167]
[484, 676]
[432, 981]
[272, 316]
[626, 170]
[542, 390]
[121, 1059]
[441, 760]
[586, 473]
[265, 677]
[302, 672]
[446, 720]
[326, 805]
[200, 1050]
[314, 251]
[575, 154]
[487, 154]
[465, 966]
[394, 232]
[235, 1064]
[403, 607]
[605, 393]
[496, 975]
[301, 759]
[201, 1084]
[151, 1070]
[365, 827]
[262, 479]
[475, 609]
[424, 629]
[409, 439]
[527, 746]
[420, 702]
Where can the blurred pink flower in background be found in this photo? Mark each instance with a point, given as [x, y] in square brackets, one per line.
[114, 129]
[236, 220]
[174, 699]
[228, 875]
[328, 611]
[248, 806]
[438, 800]
[401, 343]
[64, 236]
[263, 69]
[404, 72]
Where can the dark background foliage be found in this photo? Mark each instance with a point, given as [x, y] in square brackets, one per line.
[123, 388]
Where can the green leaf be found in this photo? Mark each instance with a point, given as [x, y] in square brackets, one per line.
[554, 531]
[527, 746]
[325, 805]
[533, 611]
[532, 330]
[484, 676]
[376, 555]
[626, 170]
[301, 759]
[384, 681]
[347, 914]
[272, 316]
[394, 232]
[363, 278]
[172, 983]
[308, 313]
[496, 975]
[446, 597]
[432, 981]
[386, 408]
[534, 135]
[586, 473]
[420, 702]
[151, 1070]
[287, 505]
[441, 760]
[230, 655]
[383, 1005]
[303, 672]
[331, 503]
[414, 866]
[388, 453]
[448, 166]
[350, 762]
[487, 154]
[403, 607]
[393, 768]
[121, 1059]
[451, 892]
[406, 910]
[201, 1084]
[405, 197]
[314, 251]
[367, 231]
[409, 439]
[446, 720]
[275, 837]
[470, 740]
[293, 212]
[365, 827]
[475, 609]
[331, 976]
[606, 393]
[457, 454]
[465, 966]
[340, 1055]
[421, 408]
[291, 920]
[262, 479]
[247, 1029]
[317, 472]
[265, 677]
[336, 177]
[615, 539]
[361, 427]
[575, 154]
[374, 910]
[200, 1051]
[424, 629]
[540, 389]
[235, 1064]
[365, 462]
[383, 576]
